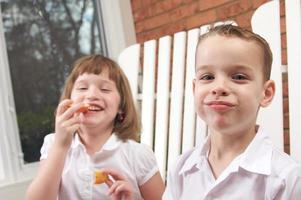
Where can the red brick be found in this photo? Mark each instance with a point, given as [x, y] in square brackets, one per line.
[141, 15]
[284, 85]
[173, 28]
[146, 3]
[136, 4]
[139, 27]
[283, 41]
[184, 11]
[286, 138]
[282, 25]
[285, 106]
[187, 1]
[201, 19]
[285, 89]
[284, 56]
[148, 35]
[233, 9]
[244, 20]
[156, 21]
[160, 7]
[282, 8]
[258, 3]
[208, 4]
[286, 121]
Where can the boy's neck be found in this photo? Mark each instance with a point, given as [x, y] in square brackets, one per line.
[226, 147]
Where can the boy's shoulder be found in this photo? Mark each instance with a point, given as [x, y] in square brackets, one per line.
[283, 164]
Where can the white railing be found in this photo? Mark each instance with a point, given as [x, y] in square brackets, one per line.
[170, 125]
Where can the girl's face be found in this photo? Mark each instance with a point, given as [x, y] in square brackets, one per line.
[103, 97]
[229, 87]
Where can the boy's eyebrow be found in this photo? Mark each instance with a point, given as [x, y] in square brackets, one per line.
[239, 67]
[202, 67]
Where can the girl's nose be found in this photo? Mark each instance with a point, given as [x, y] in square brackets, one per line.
[92, 93]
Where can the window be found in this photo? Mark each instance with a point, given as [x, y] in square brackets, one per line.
[39, 40]
[43, 38]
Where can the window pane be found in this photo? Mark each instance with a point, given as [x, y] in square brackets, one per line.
[43, 38]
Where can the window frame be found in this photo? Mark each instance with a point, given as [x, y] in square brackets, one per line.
[119, 33]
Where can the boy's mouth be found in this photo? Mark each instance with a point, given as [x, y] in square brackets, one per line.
[219, 105]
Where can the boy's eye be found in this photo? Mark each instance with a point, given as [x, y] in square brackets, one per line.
[207, 77]
[239, 77]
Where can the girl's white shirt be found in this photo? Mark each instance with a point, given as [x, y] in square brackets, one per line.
[134, 160]
[260, 172]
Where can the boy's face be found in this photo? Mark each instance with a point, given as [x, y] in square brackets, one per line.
[229, 86]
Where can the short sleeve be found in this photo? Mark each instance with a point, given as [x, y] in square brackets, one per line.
[145, 163]
[48, 141]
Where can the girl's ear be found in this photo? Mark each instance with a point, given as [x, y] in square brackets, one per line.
[268, 93]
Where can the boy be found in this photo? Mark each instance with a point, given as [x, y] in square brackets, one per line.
[237, 160]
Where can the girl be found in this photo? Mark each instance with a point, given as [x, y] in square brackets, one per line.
[100, 137]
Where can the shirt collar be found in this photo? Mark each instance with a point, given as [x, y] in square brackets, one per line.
[256, 158]
[111, 144]
[197, 157]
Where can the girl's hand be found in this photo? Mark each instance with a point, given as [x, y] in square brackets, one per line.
[67, 122]
[120, 188]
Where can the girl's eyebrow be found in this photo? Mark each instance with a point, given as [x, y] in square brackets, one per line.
[102, 81]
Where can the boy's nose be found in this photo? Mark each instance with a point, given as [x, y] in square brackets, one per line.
[220, 89]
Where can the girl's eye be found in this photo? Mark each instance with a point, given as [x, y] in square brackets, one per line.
[239, 77]
[82, 88]
[105, 89]
[207, 77]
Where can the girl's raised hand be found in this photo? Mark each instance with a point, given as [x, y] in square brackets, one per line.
[67, 122]
[120, 188]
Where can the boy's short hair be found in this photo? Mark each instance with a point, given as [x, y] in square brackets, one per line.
[130, 126]
[229, 30]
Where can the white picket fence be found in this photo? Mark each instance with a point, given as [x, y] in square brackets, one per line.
[161, 82]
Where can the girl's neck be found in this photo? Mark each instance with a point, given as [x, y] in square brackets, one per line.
[93, 139]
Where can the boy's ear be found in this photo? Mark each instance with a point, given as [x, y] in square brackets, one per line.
[268, 93]
[193, 86]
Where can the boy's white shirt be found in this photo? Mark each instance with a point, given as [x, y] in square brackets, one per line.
[260, 172]
[134, 160]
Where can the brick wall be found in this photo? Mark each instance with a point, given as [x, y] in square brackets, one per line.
[156, 18]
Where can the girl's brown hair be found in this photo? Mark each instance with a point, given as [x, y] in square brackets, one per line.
[229, 30]
[127, 128]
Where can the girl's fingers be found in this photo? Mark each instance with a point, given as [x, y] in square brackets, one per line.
[109, 183]
[120, 189]
[71, 111]
[114, 174]
[117, 187]
[73, 128]
[63, 106]
[71, 121]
